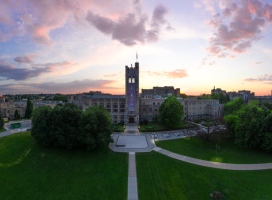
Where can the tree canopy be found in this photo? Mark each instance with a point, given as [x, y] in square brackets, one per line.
[221, 97]
[29, 109]
[69, 127]
[233, 106]
[252, 126]
[171, 112]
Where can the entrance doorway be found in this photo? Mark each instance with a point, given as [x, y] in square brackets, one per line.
[131, 120]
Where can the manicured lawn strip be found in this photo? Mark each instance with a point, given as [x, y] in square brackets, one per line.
[2, 130]
[164, 178]
[227, 152]
[160, 127]
[60, 174]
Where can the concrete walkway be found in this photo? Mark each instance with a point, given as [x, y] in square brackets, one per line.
[214, 164]
[132, 178]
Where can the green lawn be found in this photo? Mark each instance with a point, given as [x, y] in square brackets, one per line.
[228, 152]
[164, 178]
[60, 174]
[160, 127]
[2, 130]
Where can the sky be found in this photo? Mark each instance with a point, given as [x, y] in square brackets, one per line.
[69, 46]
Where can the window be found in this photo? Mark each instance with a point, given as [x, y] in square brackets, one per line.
[144, 109]
[153, 103]
[129, 80]
[156, 109]
[133, 80]
[150, 109]
[115, 110]
[158, 103]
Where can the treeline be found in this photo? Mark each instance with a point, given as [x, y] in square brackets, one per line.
[69, 127]
[251, 125]
[221, 97]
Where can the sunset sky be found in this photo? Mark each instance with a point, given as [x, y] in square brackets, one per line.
[73, 46]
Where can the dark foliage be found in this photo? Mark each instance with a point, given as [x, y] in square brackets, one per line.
[29, 109]
[69, 127]
[171, 112]
[1, 120]
[16, 114]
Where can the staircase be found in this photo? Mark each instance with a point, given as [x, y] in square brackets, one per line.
[131, 129]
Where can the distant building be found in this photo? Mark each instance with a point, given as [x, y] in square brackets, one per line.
[8, 109]
[245, 94]
[218, 91]
[160, 91]
[133, 108]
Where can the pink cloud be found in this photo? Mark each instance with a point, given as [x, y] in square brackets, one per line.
[244, 26]
[262, 78]
[178, 73]
[126, 23]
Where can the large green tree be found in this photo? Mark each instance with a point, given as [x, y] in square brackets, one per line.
[29, 109]
[171, 111]
[95, 127]
[67, 126]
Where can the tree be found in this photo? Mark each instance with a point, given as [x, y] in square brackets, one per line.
[214, 132]
[1, 120]
[29, 109]
[16, 114]
[95, 127]
[171, 112]
[234, 105]
[68, 127]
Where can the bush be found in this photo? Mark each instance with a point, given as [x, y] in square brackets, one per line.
[149, 127]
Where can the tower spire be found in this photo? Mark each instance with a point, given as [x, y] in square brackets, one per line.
[136, 56]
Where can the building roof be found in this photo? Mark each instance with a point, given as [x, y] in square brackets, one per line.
[106, 96]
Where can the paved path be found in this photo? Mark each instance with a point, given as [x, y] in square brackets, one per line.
[132, 177]
[149, 140]
[214, 164]
[12, 131]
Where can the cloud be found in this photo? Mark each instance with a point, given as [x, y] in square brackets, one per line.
[127, 23]
[111, 75]
[212, 63]
[262, 78]
[24, 59]
[133, 28]
[178, 73]
[9, 71]
[257, 63]
[54, 87]
[238, 26]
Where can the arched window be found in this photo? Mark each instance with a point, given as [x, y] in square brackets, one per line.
[129, 80]
[133, 80]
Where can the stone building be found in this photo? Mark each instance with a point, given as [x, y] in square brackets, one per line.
[160, 91]
[8, 109]
[132, 108]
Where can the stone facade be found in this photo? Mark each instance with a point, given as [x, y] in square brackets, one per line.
[193, 109]
[132, 94]
[8, 109]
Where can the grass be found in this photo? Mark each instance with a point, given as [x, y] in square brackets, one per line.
[227, 152]
[156, 126]
[164, 178]
[60, 173]
[2, 130]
